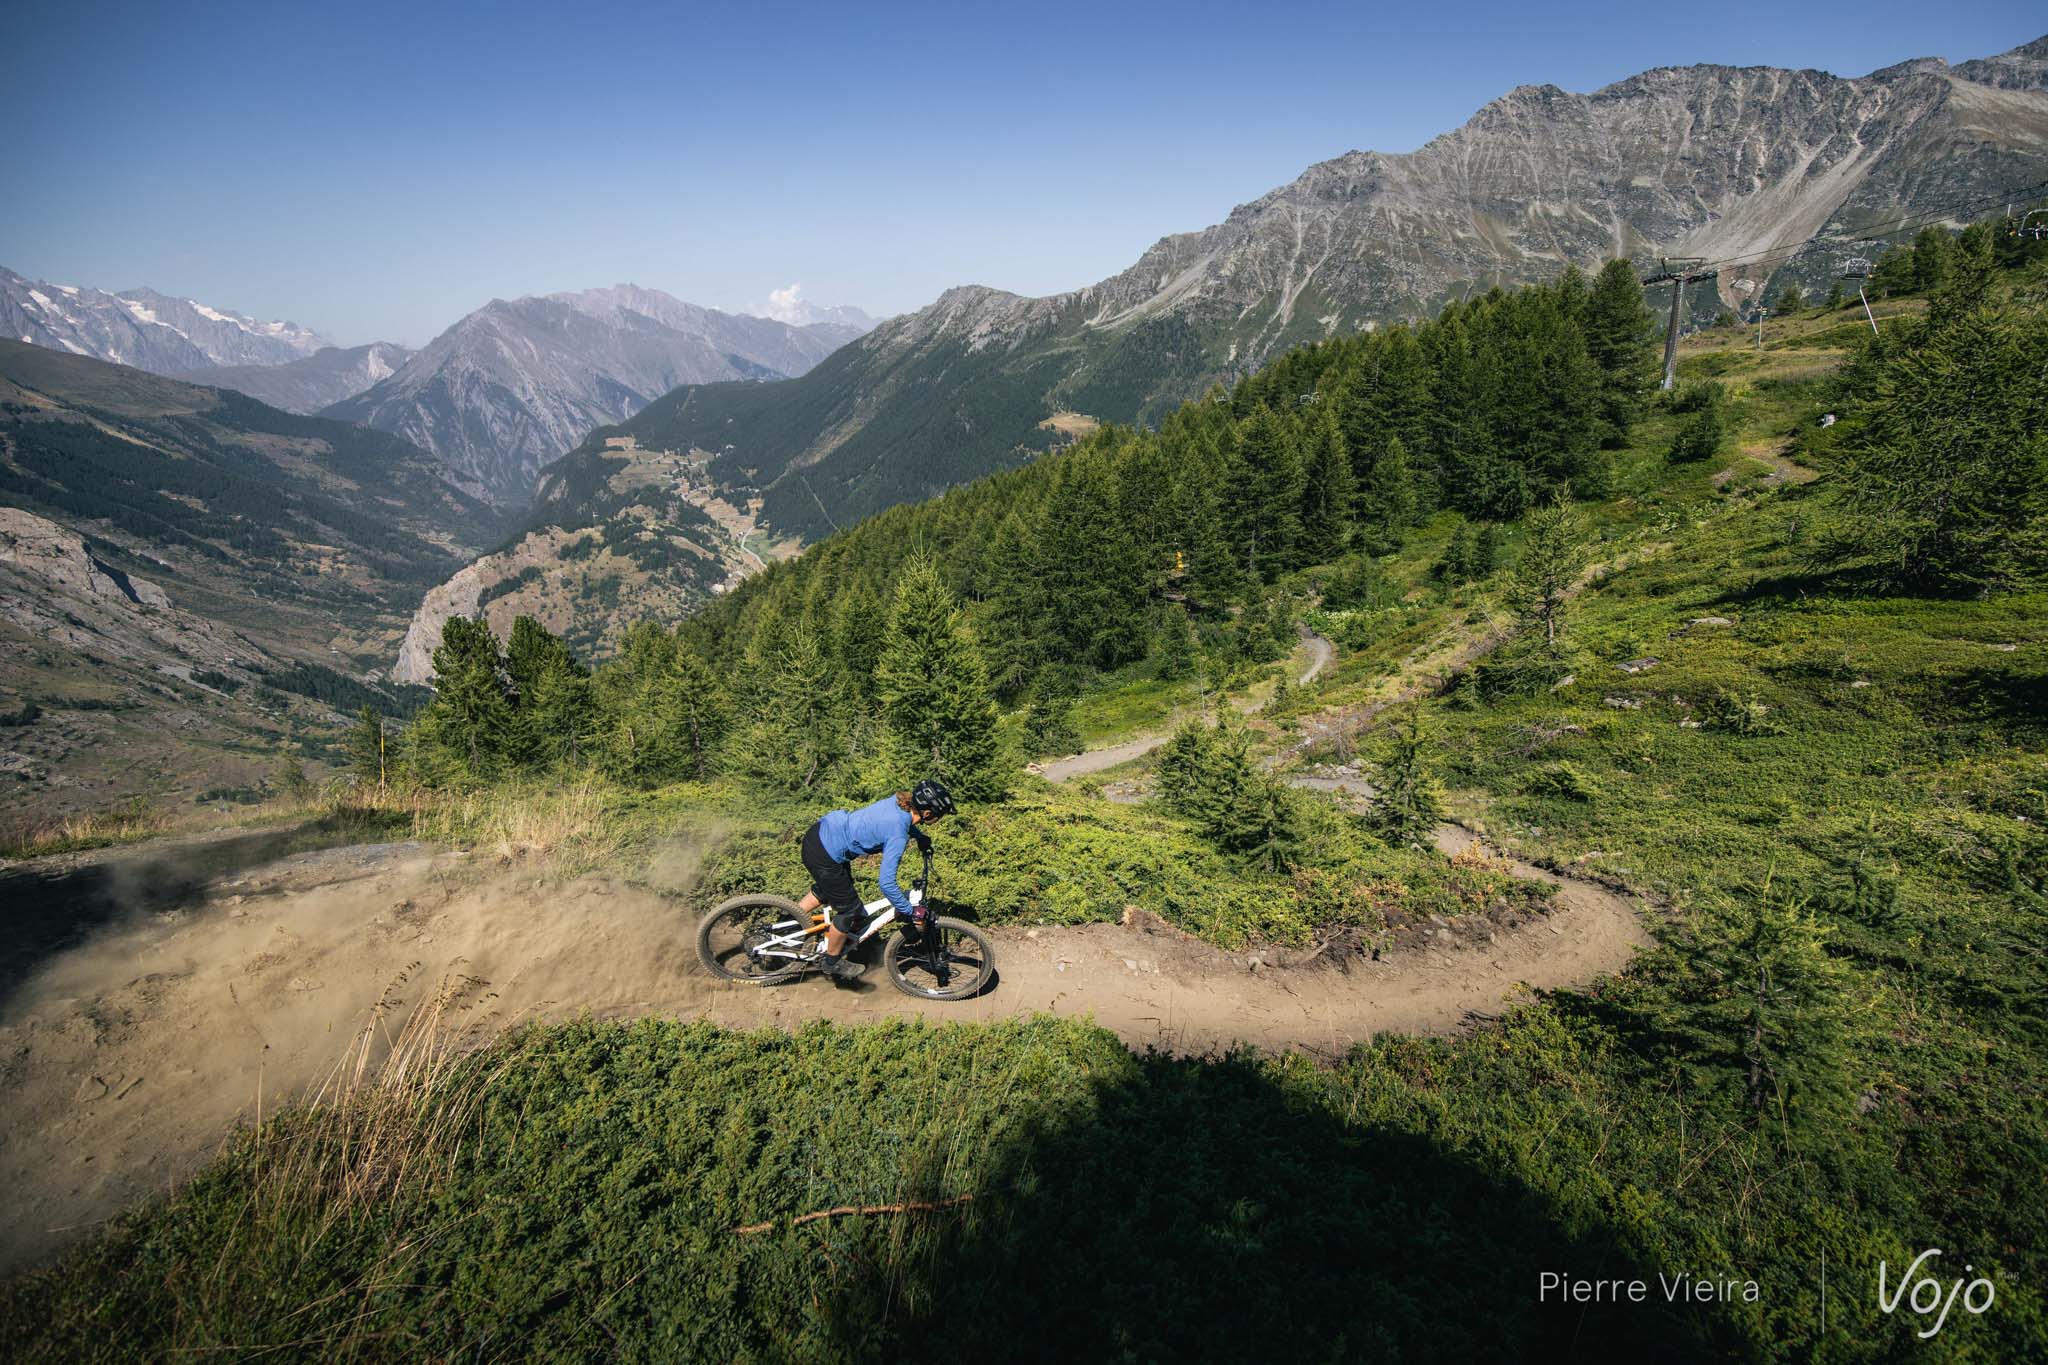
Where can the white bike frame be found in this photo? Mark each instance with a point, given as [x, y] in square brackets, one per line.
[793, 944]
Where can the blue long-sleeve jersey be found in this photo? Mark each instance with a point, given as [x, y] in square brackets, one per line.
[850, 834]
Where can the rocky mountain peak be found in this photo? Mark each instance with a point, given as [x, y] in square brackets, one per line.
[517, 383]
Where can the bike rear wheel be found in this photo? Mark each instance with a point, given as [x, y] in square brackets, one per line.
[755, 940]
[952, 960]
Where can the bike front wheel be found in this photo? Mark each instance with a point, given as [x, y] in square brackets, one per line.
[952, 960]
[755, 940]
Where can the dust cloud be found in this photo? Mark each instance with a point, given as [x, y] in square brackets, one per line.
[128, 1059]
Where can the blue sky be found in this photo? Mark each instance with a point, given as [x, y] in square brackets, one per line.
[377, 171]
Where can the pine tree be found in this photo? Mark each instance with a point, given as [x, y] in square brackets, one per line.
[934, 690]
[1353, 585]
[1049, 723]
[1016, 612]
[1390, 396]
[1620, 337]
[794, 735]
[1203, 544]
[1386, 506]
[1407, 797]
[1700, 436]
[1486, 550]
[1264, 496]
[1893, 273]
[857, 623]
[1094, 584]
[1835, 297]
[1454, 565]
[291, 777]
[1145, 505]
[1789, 302]
[529, 651]
[554, 706]
[1177, 650]
[1548, 568]
[1944, 476]
[558, 712]
[691, 716]
[1207, 775]
[1327, 492]
[1767, 1002]
[1933, 255]
[1967, 281]
[1572, 294]
[368, 758]
[466, 732]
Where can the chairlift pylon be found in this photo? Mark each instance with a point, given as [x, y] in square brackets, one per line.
[1857, 268]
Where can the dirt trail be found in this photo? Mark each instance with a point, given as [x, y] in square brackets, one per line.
[1320, 653]
[127, 1059]
[1454, 839]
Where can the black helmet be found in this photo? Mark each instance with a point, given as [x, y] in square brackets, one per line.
[931, 798]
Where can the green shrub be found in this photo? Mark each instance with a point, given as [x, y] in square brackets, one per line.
[1564, 780]
[1740, 713]
[1699, 396]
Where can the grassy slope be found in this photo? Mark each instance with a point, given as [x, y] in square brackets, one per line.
[1402, 1202]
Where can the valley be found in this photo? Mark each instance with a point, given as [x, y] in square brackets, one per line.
[670, 544]
[192, 585]
[1500, 1001]
[517, 384]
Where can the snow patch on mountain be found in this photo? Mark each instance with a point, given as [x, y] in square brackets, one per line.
[143, 328]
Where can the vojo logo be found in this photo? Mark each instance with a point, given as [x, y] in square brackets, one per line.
[1926, 1296]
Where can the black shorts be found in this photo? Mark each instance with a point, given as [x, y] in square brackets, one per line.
[832, 883]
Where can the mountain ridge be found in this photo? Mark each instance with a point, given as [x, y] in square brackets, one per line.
[144, 328]
[516, 383]
[307, 385]
[1705, 160]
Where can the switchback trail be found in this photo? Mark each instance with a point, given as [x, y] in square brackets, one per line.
[127, 1059]
[1427, 670]
[1320, 652]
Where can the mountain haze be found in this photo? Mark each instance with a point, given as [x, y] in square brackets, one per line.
[1704, 160]
[305, 386]
[518, 382]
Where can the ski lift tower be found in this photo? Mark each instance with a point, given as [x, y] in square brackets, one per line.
[1678, 272]
[1857, 268]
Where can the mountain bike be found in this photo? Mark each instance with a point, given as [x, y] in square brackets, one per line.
[761, 940]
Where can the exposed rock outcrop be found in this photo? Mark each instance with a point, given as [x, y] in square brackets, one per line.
[59, 556]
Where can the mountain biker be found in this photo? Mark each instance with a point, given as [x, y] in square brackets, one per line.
[835, 840]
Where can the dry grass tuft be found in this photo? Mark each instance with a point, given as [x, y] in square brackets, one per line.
[381, 1133]
[22, 837]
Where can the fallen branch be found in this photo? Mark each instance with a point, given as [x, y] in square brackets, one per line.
[911, 1206]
